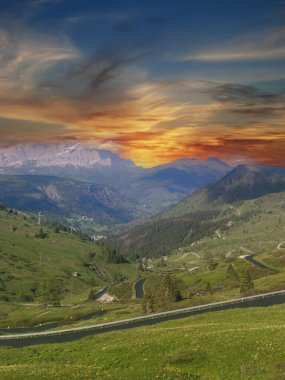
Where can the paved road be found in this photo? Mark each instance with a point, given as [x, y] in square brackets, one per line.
[78, 333]
[250, 258]
[139, 288]
[100, 293]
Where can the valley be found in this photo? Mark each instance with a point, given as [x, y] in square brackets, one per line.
[60, 273]
[142, 190]
[55, 169]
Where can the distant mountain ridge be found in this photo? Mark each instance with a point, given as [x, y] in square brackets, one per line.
[66, 197]
[242, 183]
[151, 189]
[59, 154]
[205, 211]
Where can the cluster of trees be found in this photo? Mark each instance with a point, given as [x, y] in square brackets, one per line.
[162, 236]
[8, 210]
[49, 293]
[113, 256]
[247, 285]
[41, 234]
[91, 294]
[167, 294]
[232, 274]
[211, 264]
[112, 252]
[58, 225]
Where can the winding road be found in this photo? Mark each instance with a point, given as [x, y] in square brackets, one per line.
[250, 258]
[100, 293]
[139, 288]
[71, 334]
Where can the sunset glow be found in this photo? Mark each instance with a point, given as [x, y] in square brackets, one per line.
[146, 80]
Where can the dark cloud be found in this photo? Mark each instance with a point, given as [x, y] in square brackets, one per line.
[98, 75]
[248, 102]
[261, 111]
[244, 95]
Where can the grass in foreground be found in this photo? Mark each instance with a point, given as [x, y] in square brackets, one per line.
[234, 344]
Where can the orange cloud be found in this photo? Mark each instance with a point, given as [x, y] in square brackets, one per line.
[148, 121]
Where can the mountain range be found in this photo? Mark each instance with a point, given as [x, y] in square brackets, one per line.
[203, 212]
[64, 197]
[148, 190]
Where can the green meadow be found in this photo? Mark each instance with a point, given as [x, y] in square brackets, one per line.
[229, 345]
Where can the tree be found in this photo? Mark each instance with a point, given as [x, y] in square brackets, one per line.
[140, 265]
[232, 274]
[208, 288]
[162, 262]
[148, 303]
[48, 294]
[91, 254]
[91, 295]
[169, 291]
[41, 234]
[115, 257]
[247, 285]
[210, 263]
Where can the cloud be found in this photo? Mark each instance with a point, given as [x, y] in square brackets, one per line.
[247, 101]
[20, 131]
[50, 90]
[241, 94]
[26, 58]
[269, 45]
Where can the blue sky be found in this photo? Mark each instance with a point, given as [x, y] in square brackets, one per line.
[153, 80]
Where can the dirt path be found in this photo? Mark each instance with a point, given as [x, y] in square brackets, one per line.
[186, 254]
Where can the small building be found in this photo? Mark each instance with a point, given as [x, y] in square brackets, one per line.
[76, 274]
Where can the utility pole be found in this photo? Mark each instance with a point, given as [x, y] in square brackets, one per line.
[40, 259]
[40, 217]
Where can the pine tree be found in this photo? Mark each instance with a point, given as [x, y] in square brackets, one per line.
[42, 293]
[54, 296]
[41, 234]
[48, 294]
[91, 295]
[232, 273]
[148, 303]
[210, 263]
[208, 288]
[169, 291]
[247, 285]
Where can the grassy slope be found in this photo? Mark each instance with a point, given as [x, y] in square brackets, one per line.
[242, 183]
[235, 344]
[257, 226]
[61, 254]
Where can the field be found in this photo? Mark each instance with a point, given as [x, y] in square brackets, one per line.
[234, 344]
[26, 260]
[257, 226]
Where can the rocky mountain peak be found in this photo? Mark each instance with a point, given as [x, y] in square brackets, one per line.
[60, 154]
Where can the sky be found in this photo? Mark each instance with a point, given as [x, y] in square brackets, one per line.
[151, 80]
